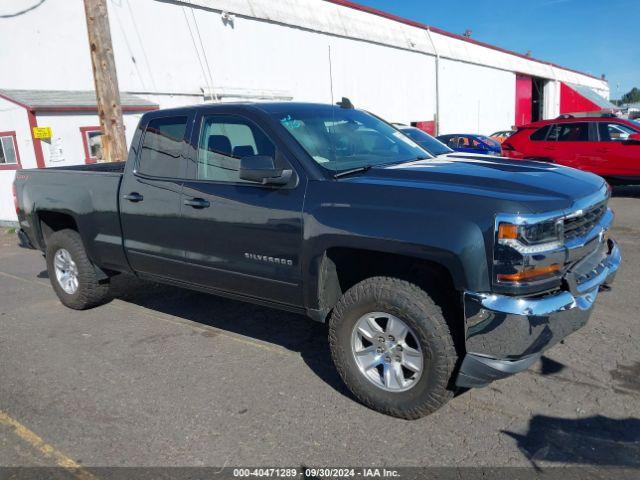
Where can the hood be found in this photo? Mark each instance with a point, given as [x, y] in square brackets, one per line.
[537, 186]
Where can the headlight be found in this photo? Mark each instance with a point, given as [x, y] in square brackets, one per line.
[534, 238]
[528, 253]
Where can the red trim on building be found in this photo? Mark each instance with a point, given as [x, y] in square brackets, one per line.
[37, 144]
[412, 23]
[9, 99]
[12, 166]
[572, 102]
[87, 154]
[524, 100]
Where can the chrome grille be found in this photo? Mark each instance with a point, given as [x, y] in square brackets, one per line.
[580, 225]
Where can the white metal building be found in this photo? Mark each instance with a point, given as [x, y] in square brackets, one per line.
[171, 53]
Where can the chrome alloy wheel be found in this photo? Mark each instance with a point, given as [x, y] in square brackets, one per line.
[66, 271]
[387, 351]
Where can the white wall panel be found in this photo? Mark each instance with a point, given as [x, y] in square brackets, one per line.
[475, 99]
[7, 210]
[551, 94]
[321, 16]
[256, 56]
[13, 118]
[66, 147]
[46, 47]
[394, 84]
[52, 38]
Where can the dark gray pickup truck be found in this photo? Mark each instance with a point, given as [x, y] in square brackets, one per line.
[432, 273]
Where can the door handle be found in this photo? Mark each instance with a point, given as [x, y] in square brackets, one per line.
[197, 202]
[134, 197]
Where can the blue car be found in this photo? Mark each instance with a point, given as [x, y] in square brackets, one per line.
[478, 144]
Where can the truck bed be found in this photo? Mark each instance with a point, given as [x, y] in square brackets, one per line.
[89, 193]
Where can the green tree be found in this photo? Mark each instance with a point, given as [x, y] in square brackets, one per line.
[633, 96]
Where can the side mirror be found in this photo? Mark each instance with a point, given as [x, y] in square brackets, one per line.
[633, 139]
[262, 169]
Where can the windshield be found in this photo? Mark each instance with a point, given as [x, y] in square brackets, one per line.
[340, 139]
[426, 141]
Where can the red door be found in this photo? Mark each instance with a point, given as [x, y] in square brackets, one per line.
[524, 99]
[569, 144]
[613, 155]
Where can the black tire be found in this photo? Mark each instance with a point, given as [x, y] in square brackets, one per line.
[415, 307]
[91, 290]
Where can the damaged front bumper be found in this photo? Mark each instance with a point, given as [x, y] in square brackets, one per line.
[506, 335]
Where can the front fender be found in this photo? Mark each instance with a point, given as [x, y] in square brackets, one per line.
[456, 244]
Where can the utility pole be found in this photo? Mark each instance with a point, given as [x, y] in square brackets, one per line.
[114, 145]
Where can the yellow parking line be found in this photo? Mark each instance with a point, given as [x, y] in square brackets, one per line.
[48, 450]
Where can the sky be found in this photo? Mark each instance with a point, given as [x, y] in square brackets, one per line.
[592, 36]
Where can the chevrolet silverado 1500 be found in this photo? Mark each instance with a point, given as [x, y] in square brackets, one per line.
[432, 273]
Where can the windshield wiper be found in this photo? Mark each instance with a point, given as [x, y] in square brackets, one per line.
[353, 170]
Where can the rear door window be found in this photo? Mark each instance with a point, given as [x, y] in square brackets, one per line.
[540, 135]
[569, 132]
[162, 148]
[614, 132]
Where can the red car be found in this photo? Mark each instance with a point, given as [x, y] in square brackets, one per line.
[607, 146]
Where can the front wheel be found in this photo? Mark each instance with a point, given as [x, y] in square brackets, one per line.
[393, 348]
[72, 275]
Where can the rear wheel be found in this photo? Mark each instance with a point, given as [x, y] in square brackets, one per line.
[72, 275]
[392, 347]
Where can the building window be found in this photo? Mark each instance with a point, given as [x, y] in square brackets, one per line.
[92, 141]
[9, 157]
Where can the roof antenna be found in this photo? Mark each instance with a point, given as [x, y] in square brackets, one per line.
[345, 103]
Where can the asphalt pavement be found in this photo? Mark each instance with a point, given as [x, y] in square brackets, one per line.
[161, 376]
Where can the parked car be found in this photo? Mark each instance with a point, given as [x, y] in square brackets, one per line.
[431, 274]
[431, 144]
[477, 144]
[608, 146]
[501, 135]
